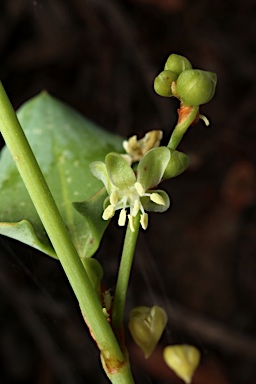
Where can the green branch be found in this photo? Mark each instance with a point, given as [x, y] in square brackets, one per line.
[55, 227]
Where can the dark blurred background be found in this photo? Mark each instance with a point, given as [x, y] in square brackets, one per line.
[199, 262]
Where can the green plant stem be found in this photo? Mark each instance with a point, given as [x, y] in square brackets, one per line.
[124, 275]
[183, 124]
[123, 375]
[48, 212]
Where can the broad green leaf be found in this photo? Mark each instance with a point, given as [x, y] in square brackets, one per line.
[64, 143]
[92, 210]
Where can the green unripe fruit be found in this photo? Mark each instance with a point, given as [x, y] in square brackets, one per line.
[163, 83]
[178, 163]
[196, 87]
[177, 64]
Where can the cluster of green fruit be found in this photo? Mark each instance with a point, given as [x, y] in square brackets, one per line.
[192, 87]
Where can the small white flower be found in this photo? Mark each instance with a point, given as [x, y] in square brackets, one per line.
[132, 191]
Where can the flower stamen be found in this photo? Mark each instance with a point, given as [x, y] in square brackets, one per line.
[205, 120]
[156, 198]
[108, 213]
[144, 220]
[139, 188]
[136, 208]
[113, 198]
[122, 218]
[131, 222]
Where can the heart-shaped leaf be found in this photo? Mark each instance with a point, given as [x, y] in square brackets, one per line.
[146, 326]
[183, 360]
[64, 144]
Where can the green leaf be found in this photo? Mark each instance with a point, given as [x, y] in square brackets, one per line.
[95, 272]
[24, 232]
[183, 359]
[146, 326]
[64, 143]
[92, 210]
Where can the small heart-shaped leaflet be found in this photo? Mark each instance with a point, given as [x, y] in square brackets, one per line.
[146, 326]
[182, 359]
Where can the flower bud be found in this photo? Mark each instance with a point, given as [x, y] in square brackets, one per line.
[136, 149]
[178, 163]
[94, 271]
[177, 64]
[196, 87]
[183, 360]
[146, 326]
[163, 83]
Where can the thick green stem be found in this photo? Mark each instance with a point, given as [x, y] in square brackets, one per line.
[124, 275]
[55, 227]
[123, 376]
[187, 116]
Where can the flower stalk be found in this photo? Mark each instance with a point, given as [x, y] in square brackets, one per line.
[123, 278]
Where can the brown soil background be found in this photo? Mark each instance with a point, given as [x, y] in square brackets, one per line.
[199, 261]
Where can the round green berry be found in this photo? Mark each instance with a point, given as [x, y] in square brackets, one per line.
[163, 83]
[196, 87]
[177, 64]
